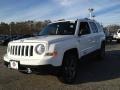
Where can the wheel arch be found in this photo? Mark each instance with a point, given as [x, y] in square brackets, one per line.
[72, 50]
[103, 42]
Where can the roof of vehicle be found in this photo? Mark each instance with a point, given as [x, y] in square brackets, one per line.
[73, 21]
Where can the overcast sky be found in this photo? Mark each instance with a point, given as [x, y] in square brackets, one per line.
[106, 11]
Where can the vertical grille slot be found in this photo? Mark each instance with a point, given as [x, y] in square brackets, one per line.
[26, 52]
[19, 50]
[31, 50]
[12, 49]
[22, 53]
[15, 50]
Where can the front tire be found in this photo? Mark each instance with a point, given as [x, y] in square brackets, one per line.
[118, 40]
[69, 68]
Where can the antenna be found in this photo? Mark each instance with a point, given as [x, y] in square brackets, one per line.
[93, 17]
[90, 13]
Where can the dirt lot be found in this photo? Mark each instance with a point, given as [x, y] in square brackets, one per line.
[92, 75]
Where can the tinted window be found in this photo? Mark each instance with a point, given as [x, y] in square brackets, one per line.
[84, 28]
[93, 27]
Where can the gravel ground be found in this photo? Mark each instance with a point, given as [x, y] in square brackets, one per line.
[92, 75]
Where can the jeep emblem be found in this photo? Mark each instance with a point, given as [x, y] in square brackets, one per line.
[21, 41]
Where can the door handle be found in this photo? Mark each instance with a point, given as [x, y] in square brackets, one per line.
[91, 40]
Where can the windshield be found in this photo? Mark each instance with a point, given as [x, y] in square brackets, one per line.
[61, 28]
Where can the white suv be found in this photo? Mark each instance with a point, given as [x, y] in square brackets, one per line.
[61, 43]
[117, 36]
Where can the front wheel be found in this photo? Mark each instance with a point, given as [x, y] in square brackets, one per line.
[69, 68]
[118, 40]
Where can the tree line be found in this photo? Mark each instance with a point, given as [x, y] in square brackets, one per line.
[32, 27]
[21, 28]
[112, 28]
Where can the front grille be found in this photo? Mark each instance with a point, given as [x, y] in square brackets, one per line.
[21, 50]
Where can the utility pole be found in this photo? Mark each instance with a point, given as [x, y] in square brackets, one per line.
[90, 13]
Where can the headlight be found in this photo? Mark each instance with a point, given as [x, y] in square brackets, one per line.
[40, 49]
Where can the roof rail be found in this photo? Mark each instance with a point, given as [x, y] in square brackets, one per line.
[61, 20]
[87, 18]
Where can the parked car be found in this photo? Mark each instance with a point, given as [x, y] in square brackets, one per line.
[2, 37]
[116, 36]
[12, 38]
[108, 36]
[60, 44]
[6, 40]
[21, 37]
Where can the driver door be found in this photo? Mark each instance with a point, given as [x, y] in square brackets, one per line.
[84, 38]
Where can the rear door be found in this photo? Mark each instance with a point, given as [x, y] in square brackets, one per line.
[95, 35]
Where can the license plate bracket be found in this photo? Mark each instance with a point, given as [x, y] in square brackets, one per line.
[14, 64]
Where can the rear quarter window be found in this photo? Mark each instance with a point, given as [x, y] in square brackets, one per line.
[100, 27]
[94, 27]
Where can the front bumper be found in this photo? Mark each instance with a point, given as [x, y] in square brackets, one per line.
[116, 37]
[42, 69]
[53, 61]
[24, 67]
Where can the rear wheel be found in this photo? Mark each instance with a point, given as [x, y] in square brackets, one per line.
[69, 68]
[101, 52]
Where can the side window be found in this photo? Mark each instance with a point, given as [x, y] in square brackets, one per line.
[94, 27]
[84, 28]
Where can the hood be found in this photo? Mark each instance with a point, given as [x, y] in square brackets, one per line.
[47, 38]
